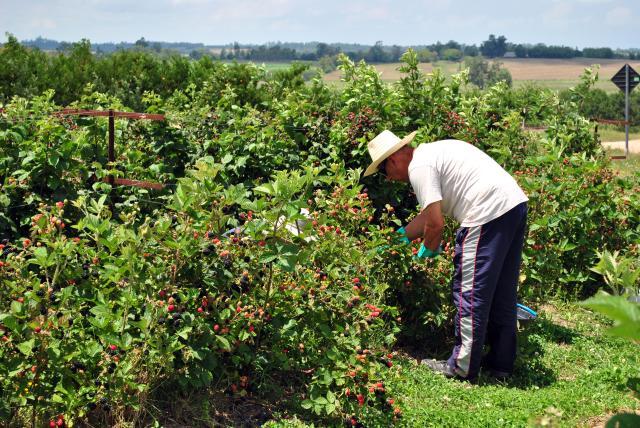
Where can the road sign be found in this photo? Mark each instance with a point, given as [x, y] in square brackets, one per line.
[620, 78]
[626, 79]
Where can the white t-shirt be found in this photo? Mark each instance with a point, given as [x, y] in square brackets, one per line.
[471, 186]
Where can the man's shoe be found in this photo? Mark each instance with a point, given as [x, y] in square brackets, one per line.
[499, 375]
[441, 367]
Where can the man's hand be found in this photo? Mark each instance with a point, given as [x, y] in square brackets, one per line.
[403, 236]
[426, 253]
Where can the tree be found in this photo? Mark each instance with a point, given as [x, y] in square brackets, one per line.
[484, 74]
[494, 47]
[323, 49]
[451, 54]
[142, 43]
[425, 55]
[521, 51]
[376, 54]
[471, 50]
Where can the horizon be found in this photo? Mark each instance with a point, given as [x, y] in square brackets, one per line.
[285, 42]
[572, 23]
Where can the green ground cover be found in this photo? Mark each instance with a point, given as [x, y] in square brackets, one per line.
[569, 373]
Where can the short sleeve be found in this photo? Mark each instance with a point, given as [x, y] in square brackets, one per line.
[425, 181]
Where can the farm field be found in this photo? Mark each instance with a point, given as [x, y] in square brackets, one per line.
[253, 276]
[547, 73]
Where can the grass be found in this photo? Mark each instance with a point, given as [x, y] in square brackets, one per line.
[626, 167]
[568, 373]
[617, 133]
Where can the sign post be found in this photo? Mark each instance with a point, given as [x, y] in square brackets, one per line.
[626, 79]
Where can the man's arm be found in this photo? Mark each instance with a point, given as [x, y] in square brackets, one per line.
[428, 225]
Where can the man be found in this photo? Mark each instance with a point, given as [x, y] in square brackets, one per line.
[456, 179]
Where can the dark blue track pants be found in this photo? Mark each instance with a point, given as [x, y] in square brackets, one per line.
[487, 266]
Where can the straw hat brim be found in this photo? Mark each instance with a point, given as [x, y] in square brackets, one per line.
[373, 167]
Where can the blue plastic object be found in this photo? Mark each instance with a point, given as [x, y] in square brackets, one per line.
[525, 313]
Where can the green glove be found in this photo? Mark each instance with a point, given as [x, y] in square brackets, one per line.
[424, 252]
[404, 239]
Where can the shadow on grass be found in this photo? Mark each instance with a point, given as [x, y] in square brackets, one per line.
[530, 370]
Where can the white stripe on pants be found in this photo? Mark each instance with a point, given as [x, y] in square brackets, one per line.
[468, 268]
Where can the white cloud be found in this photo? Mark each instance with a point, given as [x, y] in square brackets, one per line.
[559, 12]
[619, 16]
[43, 24]
[251, 10]
[188, 2]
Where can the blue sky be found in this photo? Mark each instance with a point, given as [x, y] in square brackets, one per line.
[575, 23]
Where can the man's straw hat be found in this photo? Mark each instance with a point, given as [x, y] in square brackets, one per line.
[384, 145]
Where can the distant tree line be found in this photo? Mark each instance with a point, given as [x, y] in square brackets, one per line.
[493, 47]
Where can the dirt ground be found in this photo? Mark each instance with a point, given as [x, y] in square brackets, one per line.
[521, 69]
[634, 145]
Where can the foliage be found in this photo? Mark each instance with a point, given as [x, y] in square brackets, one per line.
[484, 74]
[620, 273]
[112, 297]
[494, 47]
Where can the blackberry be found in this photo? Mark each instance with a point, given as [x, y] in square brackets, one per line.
[40, 293]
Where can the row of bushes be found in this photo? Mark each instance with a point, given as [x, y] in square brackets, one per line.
[114, 299]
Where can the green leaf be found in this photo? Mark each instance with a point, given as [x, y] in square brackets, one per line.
[307, 404]
[184, 333]
[223, 343]
[266, 189]
[16, 307]
[42, 259]
[331, 397]
[9, 321]
[623, 420]
[625, 315]
[26, 347]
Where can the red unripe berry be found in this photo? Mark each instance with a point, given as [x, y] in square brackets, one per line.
[356, 280]
[113, 347]
[170, 308]
[52, 424]
[216, 327]
[162, 293]
[60, 422]
[200, 310]
[37, 329]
